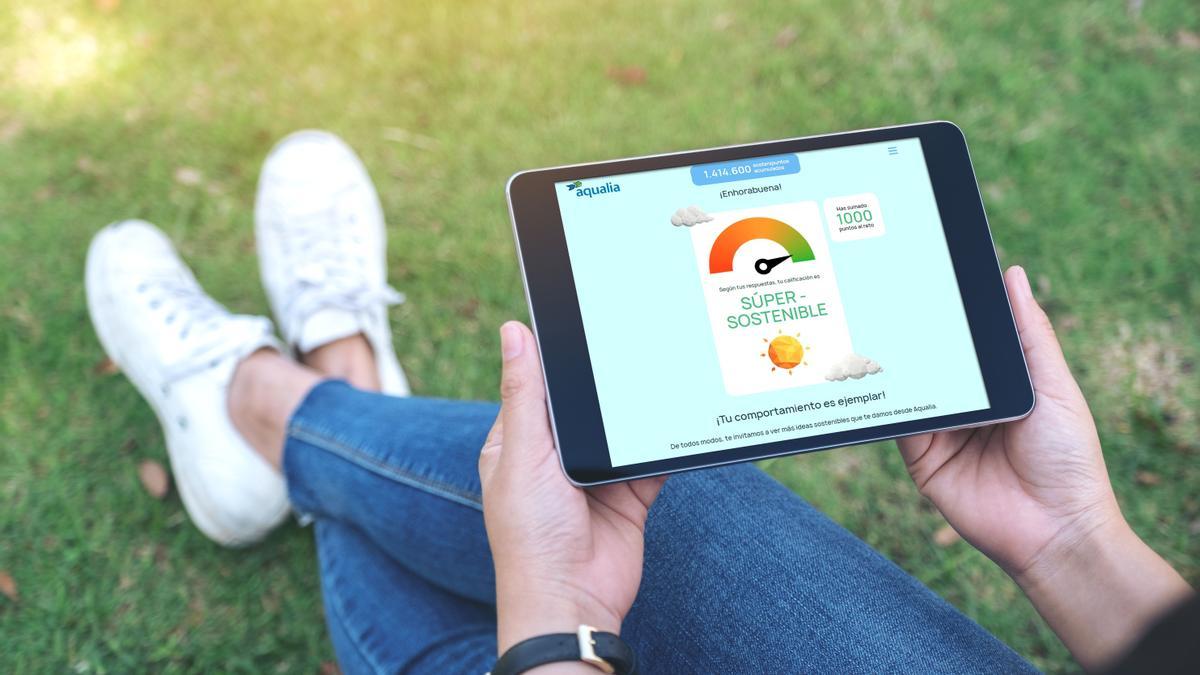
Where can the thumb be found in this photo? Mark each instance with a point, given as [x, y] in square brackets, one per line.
[1047, 365]
[522, 393]
[489, 456]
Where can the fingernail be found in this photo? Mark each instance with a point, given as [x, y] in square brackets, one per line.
[1023, 280]
[511, 342]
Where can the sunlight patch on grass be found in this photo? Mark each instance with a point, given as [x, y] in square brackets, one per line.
[57, 52]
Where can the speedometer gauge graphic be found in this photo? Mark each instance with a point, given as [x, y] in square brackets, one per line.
[772, 296]
[720, 259]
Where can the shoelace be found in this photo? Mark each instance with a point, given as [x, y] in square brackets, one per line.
[325, 274]
[198, 317]
[185, 303]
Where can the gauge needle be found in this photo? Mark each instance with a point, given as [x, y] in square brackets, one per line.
[765, 265]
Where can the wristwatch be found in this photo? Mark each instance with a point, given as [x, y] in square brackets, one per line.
[604, 651]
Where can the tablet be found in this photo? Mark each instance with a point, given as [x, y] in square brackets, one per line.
[732, 304]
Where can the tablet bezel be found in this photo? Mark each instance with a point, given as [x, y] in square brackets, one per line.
[554, 308]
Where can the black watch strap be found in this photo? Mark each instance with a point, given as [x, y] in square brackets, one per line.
[605, 651]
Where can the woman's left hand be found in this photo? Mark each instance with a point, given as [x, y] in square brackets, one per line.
[563, 555]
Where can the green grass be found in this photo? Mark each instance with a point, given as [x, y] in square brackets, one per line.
[1082, 124]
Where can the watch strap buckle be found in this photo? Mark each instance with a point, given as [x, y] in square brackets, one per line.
[587, 649]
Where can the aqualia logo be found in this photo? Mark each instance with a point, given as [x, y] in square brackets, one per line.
[580, 191]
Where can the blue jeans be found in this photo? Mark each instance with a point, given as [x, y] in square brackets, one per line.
[740, 575]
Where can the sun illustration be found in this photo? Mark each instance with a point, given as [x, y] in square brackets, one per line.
[786, 352]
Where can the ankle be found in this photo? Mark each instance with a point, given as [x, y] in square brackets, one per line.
[350, 358]
[265, 390]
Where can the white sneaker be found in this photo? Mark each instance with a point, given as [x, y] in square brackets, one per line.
[322, 249]
[180, 348]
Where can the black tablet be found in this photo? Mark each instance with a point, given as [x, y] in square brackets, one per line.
[732, 304]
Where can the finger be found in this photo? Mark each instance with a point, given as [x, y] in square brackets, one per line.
[647, 489]
[495, 435]
[912, 448]
[631, 500]
[925, 454]
[522, 395]
[1047, 368]
[489, 455]
[1043, 354]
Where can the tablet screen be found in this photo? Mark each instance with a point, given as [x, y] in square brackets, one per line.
[766, 299]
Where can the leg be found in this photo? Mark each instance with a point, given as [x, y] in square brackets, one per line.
[350, 359]
[267, 386]
[400, 471]
[383, 618]
[742, 575]
[379, 518]
[739, 571]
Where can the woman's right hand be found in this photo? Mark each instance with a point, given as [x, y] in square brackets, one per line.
[564, 556]
[1034, 496]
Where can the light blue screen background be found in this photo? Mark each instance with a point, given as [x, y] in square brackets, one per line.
[647, 326]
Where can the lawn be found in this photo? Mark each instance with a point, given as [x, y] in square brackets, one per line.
[1083, 128]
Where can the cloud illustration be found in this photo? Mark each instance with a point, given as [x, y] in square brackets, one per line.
[689, 216]
[852, 366]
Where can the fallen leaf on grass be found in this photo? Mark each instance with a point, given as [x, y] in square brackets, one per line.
[105, 366]
[154, 478]
[945, 536]
[629, 76]
[786, 37]
[19, 311]
[468, 309]
[186, 175]
[1187, 39]
[330, 668]
[10, 130]
[9, 587]
[1147, 478]
[87, 165]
